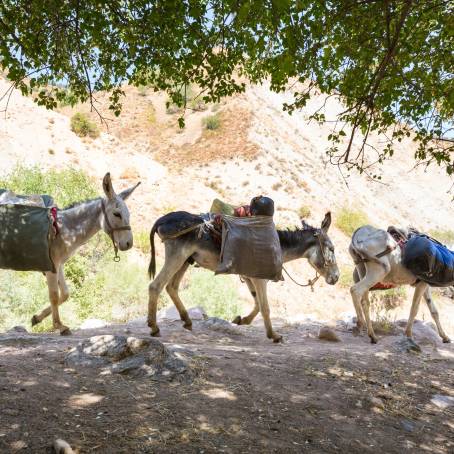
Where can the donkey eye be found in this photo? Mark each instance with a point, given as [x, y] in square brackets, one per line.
[117, 215]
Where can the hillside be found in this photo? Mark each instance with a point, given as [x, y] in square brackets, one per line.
[258, 149]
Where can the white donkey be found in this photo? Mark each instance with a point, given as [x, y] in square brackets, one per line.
[378, 258]
[76, 225]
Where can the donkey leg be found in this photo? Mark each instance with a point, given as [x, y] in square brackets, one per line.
[260, 287]
[375, 273]
[63, 296]
[420, 288]
[174, 260]
[248, 319]
[172, 289]
[52, 284]
[433, 311]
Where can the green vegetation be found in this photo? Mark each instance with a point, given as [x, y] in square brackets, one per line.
[304, 212]
[346, 276]
[348, 220]
[99, 287]
[65, 186]
[142, 241]
[389, 62]
[216, 294]
[443, 236]
[212, 122]
[83, 126]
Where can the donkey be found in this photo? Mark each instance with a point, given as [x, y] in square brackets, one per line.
[197, 246]
[378, 258]
[76, 225]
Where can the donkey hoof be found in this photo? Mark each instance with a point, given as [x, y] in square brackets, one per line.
[155, 333]
[237, 320]
[35, 320]
[278, 339]
[446, 340]
[187, 325]
[65, 331]
[373, 340]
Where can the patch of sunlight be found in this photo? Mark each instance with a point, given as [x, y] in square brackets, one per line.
[446, 353]
[216, 393]
[84, 400]
[383, 355]
[29, 383]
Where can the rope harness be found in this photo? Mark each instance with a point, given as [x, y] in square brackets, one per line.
[111, 230]
[311, 282]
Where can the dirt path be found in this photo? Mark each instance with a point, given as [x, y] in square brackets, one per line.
[306, 395]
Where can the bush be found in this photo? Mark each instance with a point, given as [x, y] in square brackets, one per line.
[83, 126]
[349, 220]
[65, 186]
[304, 212]
[216, 294]
[443, 236]
[212, 122]
[142, 241]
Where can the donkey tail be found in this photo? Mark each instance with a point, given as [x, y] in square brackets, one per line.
[152, 265]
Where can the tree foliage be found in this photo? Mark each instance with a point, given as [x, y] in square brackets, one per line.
[391, 61]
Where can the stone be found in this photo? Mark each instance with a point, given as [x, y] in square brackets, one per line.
[328, 334]
[17, 329]
[92, 323]
[116, 354]
[221, 325]
[376, 402]
[171, 313]
[406, 345]
[408, 425]
[442, 401]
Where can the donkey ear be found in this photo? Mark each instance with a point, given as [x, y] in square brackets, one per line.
[127, 192]
[326, 222]
[107, 186]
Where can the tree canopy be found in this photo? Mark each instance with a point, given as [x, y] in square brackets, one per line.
[391, 61]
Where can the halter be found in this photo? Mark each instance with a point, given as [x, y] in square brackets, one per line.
[311, 282]
[111, 230]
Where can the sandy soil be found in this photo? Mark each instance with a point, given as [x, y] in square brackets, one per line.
[250, 395]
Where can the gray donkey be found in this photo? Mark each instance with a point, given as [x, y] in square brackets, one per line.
[76, 225]
[198, 247]
[378, 258]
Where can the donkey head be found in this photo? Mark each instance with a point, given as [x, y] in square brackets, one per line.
[116, 215]
[321, 255]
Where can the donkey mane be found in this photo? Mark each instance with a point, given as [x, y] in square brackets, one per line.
[81, 202]
[293, 237]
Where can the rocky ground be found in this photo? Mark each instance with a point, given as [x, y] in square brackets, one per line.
[224, 388]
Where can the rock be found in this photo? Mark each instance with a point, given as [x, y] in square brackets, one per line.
[171, 313]
[442, 401]
[221, 325]
[408, 425]
[328, 334]
[131, 356]
[376, 402]
[17, 329]
[406, 345]
[423, 332]
[92, 323]
[62, 447]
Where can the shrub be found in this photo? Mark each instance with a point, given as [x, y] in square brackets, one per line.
[443, 236]
[216, 294]
[346, 276]
[65, 186]
[212, 122]
[304, 212]
[142, 241]
[83, 126]
[349, 220]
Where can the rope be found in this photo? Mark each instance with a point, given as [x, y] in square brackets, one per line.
[310, 282]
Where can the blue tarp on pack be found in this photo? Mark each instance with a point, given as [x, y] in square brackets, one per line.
[429, 261]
